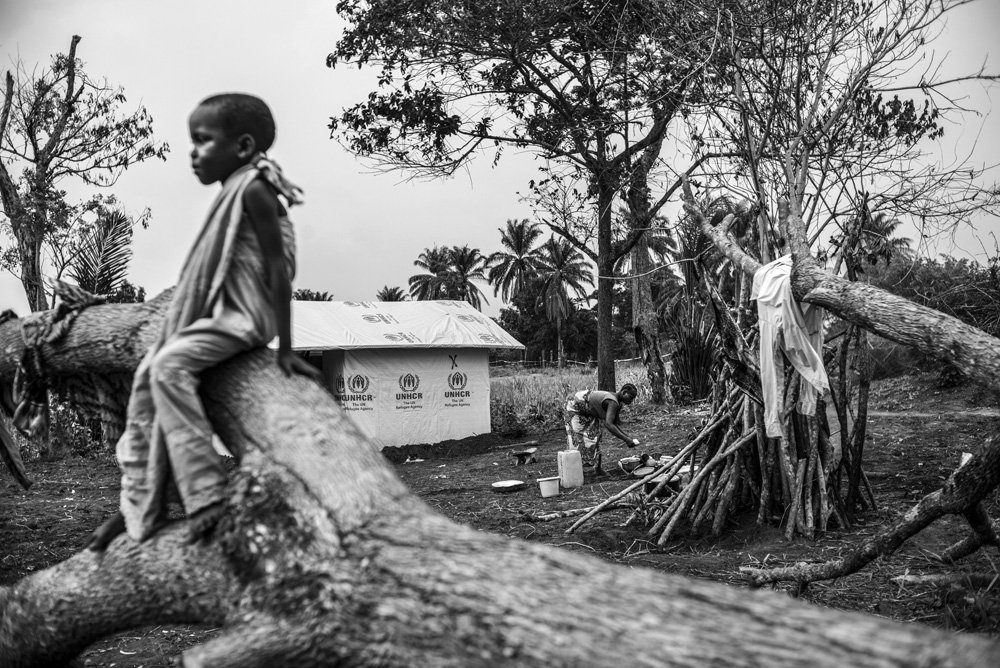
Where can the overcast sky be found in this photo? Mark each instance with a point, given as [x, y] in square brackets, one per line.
[358, 230]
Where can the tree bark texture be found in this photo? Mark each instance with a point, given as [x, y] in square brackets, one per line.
[973, 351]
[645, 323]
[326, 558]
[605, 291]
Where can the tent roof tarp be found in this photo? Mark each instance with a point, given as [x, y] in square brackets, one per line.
[417, 324]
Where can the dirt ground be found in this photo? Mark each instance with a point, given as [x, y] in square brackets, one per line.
[917, 433]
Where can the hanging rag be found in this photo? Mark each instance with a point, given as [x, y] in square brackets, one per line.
[796, 329]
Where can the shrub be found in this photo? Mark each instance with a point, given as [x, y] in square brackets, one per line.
[694, 360]
[962, 288]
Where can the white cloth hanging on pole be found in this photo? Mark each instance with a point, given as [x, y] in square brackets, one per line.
[795, 328]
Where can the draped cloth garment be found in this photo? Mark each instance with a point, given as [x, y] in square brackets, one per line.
[796, 329]
[222, 306]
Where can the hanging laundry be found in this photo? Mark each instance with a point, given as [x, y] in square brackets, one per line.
[795, 328]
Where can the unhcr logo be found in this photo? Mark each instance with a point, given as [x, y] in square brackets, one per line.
[457, 382]
[358, 383]
[489, 338]
[468, 318]
[379, 317]
[353, 388]
[357, 304]
[396, 337]
[409, 383]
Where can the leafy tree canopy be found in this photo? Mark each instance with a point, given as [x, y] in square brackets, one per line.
[588, 85]
[458, 76]
[56, 124]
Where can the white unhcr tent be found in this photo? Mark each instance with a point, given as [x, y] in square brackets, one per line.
[406, 372]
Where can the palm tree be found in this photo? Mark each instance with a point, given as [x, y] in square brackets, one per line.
[101, 260]
[562, 268]
[393, 294]
[430, 285]
[307, 295]
[879, 237]
[466, 265]
[661, 243]
[509, 270]
[450, 275]
[867, 238]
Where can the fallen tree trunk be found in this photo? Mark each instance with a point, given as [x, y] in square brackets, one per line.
[325, 558]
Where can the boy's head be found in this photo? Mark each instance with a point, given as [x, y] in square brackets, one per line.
[239, 114]
[227, 130]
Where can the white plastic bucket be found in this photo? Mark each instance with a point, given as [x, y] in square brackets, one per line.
[549, 486]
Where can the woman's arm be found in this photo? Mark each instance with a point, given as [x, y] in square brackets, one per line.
[611, 422]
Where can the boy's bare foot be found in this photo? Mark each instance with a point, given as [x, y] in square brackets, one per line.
[107, 532]
[204, 521]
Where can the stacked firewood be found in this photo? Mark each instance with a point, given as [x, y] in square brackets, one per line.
[731, 467]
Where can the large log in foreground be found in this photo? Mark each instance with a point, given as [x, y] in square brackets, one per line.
[326, 558]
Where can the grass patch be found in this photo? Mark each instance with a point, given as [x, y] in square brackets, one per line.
[533, 402]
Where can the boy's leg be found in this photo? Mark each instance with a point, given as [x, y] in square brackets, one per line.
[133, 456]
[175, 376]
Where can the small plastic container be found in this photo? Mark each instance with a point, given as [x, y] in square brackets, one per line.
[570, 468]
[549, 486]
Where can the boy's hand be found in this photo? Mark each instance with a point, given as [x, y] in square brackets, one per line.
[291, 363]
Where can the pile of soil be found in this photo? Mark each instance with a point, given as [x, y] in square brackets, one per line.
[916, 435]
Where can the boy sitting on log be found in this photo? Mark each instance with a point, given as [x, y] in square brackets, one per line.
[233, 295]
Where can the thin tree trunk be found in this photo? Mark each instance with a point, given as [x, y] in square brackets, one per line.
[561, 351]
[645, 324]
[605, 292]
[30, 253]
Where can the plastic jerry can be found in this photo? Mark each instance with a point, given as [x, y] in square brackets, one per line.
[570, 468]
